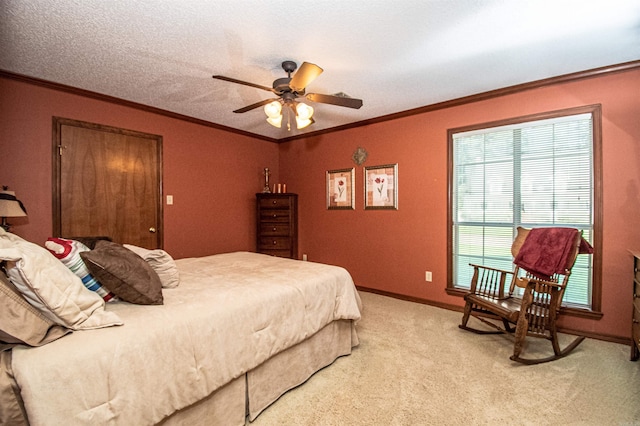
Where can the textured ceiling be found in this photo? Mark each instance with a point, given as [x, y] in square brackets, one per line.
[394, 55]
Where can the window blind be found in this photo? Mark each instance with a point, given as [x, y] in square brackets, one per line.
[530, 174]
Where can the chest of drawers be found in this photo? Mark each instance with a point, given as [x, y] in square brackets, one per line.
[635, 319]
[277, 218]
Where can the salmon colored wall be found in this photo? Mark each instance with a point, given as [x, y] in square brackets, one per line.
[212, 174]
[391, 250]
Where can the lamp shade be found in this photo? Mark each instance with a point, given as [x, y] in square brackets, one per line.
[304, 114]
[10, 206]
[304, 111]
[275, 121]
[302, 123]
[273, 109]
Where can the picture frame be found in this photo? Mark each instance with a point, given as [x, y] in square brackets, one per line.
[381, 187]
[340, 193]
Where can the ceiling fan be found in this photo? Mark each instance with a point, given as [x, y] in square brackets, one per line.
[289, 89]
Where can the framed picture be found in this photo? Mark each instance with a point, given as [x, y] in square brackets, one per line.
[381, 187]
[340, 193]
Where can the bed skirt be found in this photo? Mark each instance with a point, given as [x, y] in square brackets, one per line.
[248, 395]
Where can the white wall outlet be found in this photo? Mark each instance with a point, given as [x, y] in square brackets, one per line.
[169, 200]
[304, 257]
[427, 276]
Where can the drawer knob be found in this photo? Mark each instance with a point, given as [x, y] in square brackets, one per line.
[274, 243]
[275, 229]
[635, 321]
[274, 202]
[275, 215]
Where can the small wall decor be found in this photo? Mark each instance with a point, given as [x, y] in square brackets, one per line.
[340, 194]
[381, 187]
[360, 156]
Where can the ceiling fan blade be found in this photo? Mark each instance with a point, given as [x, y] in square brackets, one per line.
[254, 106]
[304, 76]
[335, 100]
[246, 83]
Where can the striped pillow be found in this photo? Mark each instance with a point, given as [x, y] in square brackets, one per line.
[68, 252]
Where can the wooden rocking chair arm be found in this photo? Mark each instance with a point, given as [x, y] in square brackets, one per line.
[489, 281]
[490, 268]
[524, 282]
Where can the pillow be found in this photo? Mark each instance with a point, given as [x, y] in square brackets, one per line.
[123, 272]
[68, 252]
[89, 241]
[51, 287]
[21, 323]
[161, 262]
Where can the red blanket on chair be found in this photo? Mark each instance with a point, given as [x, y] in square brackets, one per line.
[547, 251]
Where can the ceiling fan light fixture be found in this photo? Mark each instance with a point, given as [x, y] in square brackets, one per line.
[304, 111]
[302, 123]
[289, 89]
[274, 113]
[273, 109]
[275, 121]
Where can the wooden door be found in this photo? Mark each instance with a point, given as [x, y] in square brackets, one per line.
[107, 183]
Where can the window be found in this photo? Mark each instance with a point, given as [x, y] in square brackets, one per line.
[532, 172]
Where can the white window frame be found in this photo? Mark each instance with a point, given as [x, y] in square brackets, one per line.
[587, 269]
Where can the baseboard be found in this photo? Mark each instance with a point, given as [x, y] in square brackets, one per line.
[411, 299]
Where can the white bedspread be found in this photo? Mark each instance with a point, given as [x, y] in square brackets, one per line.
[230, 313]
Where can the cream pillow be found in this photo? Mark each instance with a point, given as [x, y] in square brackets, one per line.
[51, 287]
[21, 323]
[161, 262]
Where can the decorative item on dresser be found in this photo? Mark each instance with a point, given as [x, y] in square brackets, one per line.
[635, 318]
[277, 225]
[266, 173]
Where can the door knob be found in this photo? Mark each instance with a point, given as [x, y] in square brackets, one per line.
[152, 230]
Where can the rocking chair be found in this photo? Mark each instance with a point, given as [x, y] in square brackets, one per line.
[541, 272]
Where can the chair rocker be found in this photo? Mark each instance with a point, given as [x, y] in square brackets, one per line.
[529, 312]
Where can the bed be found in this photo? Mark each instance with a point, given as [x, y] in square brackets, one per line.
[237, 332]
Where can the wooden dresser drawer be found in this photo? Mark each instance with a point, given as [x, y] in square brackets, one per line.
[269, 229]
[274, 215]
[274, 203]
[274, 243]
[278, 253]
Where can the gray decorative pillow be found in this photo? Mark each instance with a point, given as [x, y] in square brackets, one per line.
[161, 262]
[124, 273]
[21, 323]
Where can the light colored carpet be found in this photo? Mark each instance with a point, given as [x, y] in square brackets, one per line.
[414, 366]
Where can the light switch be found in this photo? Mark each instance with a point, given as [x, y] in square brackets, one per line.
[169, 200]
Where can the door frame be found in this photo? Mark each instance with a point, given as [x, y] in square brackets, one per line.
[57, 148]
